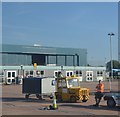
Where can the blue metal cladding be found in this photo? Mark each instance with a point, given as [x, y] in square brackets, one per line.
[22, 54]
[16, 59]
[119, 32]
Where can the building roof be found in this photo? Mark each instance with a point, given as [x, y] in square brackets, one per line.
[36, 49]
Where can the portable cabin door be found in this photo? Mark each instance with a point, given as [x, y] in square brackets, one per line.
[11, 77]
[89, 75]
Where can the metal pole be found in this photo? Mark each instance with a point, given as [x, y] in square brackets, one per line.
[21, 71]
[111, 78]
[111, 58]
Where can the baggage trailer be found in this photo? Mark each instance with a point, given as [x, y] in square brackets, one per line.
[112, 98]
[38, 86]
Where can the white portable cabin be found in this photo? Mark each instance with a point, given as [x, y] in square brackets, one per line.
[39, 86]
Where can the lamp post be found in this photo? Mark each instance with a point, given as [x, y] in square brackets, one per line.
[111, 34]
[21, 71]
[61, 72]
[61, 68]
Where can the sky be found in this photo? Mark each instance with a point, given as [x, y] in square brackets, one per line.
[82, 25]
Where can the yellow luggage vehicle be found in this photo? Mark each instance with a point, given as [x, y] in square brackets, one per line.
[69, 90]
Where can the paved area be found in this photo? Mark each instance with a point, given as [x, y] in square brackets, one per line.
[14, 103]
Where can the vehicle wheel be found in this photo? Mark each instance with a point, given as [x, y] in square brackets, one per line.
[51, 96]
[73, 99]
[38, 96]
[84, 100]
[59, 98]
[111, 103]
[27, 96]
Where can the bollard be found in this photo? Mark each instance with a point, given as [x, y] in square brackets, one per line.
[54, 102]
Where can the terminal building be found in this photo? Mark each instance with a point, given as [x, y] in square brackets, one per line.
[19, 61]
[118, 32]
[119, 45]
[28, 55]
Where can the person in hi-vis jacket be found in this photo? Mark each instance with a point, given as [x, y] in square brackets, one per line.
[99, 93]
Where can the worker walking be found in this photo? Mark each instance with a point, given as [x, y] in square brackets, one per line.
[99, 93]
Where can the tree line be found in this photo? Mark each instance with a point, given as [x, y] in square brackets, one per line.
[116, 65]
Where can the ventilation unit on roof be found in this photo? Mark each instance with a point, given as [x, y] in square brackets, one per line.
[37, 45]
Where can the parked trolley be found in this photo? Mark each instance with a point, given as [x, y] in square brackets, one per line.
[38, 86]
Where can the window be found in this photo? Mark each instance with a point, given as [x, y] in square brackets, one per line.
[1, 73]
[89, 75]
[9, 80]
[69, 73]
[42, 72]
[9, 74]
[76, 73]
[63, 83]
[27, 73]
[99, 73]
[13, 80]
[38, 72]
[53, 82]
[13, 74]
[59, 83]
[73, 83]
[57, 73]
[31, 72]
[79, 73]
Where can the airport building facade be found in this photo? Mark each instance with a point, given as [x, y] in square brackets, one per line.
[119, 48]
[119, 32]
[28, 55]
[19, 61]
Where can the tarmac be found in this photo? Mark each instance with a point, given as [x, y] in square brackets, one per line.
[14, 103]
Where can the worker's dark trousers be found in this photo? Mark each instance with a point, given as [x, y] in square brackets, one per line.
[98, 97]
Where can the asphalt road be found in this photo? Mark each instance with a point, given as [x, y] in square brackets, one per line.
[14, 103]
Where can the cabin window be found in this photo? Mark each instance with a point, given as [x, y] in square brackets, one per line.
[42, 72]
[79, 73]
[31, 72]
[99, 73]
[13, 74]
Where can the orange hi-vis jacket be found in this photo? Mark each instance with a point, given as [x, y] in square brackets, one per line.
[100, 87]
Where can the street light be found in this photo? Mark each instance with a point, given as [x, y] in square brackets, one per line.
[111, 34]
[21, 70]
